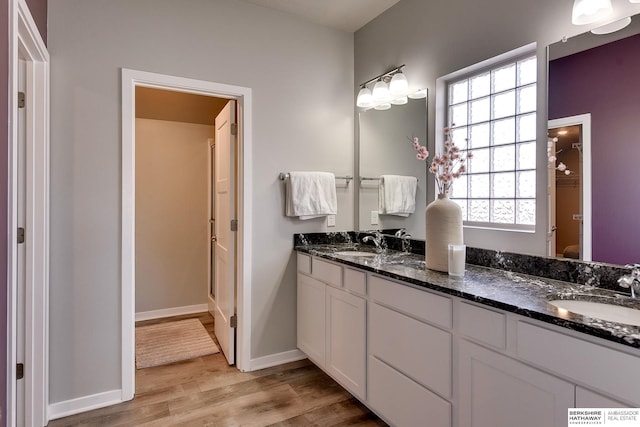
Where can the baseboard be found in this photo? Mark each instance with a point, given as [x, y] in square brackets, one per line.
[276, 359]
[168, 312]
[84, 404]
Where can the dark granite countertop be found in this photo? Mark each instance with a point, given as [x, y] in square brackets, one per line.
[515, 292]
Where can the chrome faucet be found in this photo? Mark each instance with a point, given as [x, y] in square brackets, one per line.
[631, 280]
[378, 240]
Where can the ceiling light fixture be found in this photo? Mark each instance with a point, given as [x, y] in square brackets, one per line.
[588, 11]
[389, 88]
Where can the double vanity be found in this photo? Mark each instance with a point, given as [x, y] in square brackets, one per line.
[495, 348]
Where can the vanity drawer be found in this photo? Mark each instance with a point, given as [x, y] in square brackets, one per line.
[420, 351]
[403, 402]
[304, 263]
[327, 272]
[483, 325]
[604, 369]
[422, 305]
[355, 281]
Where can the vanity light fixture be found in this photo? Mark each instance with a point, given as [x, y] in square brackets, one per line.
[419, 94]
[389, 88]
[634, 1]
[398, 86]
[588, 11]
[612, 27]
[365, 99]
[381, 94]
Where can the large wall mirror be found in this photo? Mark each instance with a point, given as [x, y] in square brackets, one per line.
[385, 148]
[594, 95]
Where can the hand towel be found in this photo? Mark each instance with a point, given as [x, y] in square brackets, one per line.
[311, 194]
[397, 195]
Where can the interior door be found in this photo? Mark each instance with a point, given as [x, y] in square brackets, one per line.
[224, 238]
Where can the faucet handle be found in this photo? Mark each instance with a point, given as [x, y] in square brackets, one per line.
[400, 233]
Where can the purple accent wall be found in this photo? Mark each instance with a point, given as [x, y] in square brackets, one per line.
[605, 81]
[38, 10]
[4, 144]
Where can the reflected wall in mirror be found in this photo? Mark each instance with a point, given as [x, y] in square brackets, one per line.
[600, 75]
[385, 148]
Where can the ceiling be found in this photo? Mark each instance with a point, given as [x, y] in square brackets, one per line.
[159, 104]
[346, 15]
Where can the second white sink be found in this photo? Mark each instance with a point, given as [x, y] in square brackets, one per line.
[609, 312]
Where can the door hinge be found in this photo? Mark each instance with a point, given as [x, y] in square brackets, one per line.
[234, 128]
[233, 321]
[234, 225]
[21, 100]
[20, 235]
[20, 371]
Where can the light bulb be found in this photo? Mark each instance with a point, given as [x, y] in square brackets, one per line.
[381, 92]
[588, 11]
[398, 86]
[364, 99]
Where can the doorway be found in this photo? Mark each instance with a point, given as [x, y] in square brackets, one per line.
[185, 196]
[131, 79]
[569, 187]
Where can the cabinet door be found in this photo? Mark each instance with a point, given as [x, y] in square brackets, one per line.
[311, 318]
[590, 399]
[346, 331]
[497, 391]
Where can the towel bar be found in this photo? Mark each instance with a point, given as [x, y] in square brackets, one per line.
[283, 176]
[365, 178]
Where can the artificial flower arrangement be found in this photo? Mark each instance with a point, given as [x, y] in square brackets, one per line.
[446, 167]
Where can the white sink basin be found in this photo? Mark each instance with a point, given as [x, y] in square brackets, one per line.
[609, 312]
[355, 253]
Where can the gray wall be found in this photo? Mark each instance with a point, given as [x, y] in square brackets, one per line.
[301, 75]
[172, 214]
[435, 38]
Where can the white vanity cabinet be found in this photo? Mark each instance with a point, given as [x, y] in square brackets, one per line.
[419, 357]
[497, 391]
[331, 319]
[409, 370]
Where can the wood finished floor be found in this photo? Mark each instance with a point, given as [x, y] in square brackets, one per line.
[206, 391]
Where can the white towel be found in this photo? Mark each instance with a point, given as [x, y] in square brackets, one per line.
[397, 195]
[311, 194]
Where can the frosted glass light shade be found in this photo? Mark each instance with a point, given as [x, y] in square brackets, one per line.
[634, 1]
[381, 92]
[398, 86]
[364, 100]
[612, 27]
[400, 101]
[383, 106]
[588, 11]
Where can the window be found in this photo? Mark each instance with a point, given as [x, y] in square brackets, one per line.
[493, 116]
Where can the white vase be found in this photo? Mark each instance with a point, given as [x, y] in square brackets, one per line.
[443, 219]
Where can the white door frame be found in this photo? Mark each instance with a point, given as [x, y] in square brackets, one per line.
[131, 79]
[26, 43]
[585, 121]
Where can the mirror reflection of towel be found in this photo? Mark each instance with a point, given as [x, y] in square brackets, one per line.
[311, 194]
[397, 195]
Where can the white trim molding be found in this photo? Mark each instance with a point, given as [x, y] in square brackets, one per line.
[276, 359]
[84, 403]
[130, 80]
[169, 312]
[26, 44]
